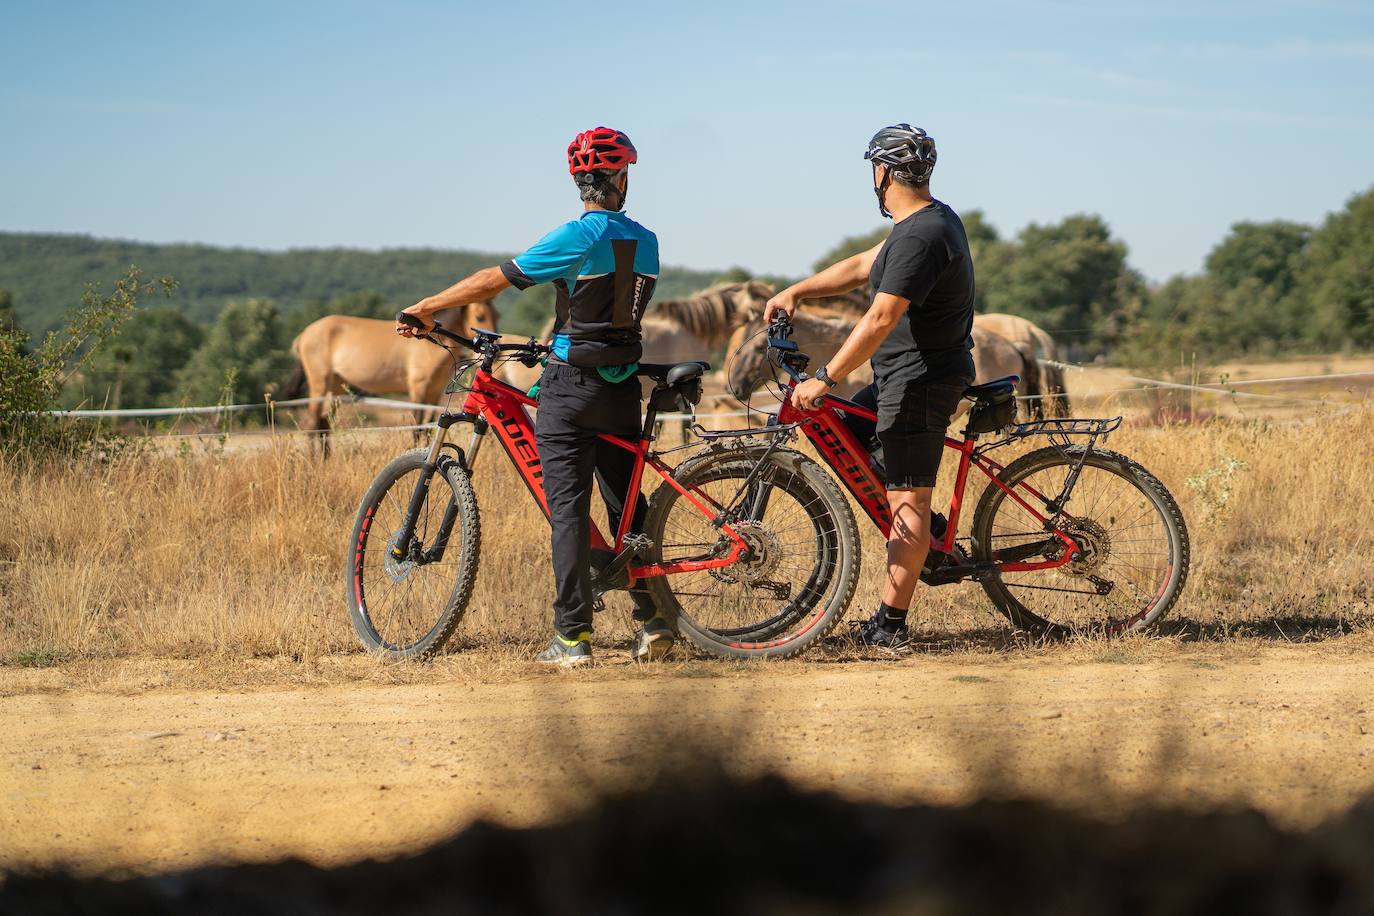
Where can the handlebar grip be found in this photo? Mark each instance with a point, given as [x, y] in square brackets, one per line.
[409, 321]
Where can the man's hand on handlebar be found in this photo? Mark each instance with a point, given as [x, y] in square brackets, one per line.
[783, 302]
[417, 312]
[809, 394]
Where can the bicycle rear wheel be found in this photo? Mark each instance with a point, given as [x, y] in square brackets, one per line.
[1131, 534]
[803, 563]
[408, 608]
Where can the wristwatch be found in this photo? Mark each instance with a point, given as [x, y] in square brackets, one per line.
[825, 377]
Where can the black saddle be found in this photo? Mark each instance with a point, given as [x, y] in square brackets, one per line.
[994, 405]
[993, 390]
[679, 385]
[669, 374]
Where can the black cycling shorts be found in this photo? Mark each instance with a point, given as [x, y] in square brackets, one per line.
[911, 427]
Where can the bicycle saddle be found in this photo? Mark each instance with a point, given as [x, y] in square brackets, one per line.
[670, 374]
[993, 389]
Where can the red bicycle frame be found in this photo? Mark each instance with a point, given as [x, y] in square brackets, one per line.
[839, 448]
[493, 404]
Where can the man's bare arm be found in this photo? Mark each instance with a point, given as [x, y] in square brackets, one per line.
[835, 280]
[479, 287]
[861, 344]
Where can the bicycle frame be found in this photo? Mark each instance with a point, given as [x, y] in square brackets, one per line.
[492, 404]
[839, 448]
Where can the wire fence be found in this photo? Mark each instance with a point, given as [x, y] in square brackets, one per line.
[1136, 384]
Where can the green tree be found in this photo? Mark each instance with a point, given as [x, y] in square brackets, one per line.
[245, 351]
[1266, 252]
[850, 246]
[8, 319]
[1069, 277]
[139, 366]
[1333, 290]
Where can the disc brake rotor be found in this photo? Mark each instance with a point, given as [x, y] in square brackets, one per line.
[765, 553]
[396, 569]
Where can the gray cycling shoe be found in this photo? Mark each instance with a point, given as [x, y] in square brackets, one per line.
[567, 653]
[653, 640]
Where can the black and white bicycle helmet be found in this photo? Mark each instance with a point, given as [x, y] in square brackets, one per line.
[907, 151]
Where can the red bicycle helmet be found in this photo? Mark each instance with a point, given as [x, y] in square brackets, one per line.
[600, 148]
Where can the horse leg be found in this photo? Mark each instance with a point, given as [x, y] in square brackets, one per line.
[1055, 383]
[1036, 388]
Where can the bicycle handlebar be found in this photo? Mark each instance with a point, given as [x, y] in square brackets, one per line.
[483, 343]
[780, 343]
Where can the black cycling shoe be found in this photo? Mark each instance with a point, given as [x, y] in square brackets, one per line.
[879, 631]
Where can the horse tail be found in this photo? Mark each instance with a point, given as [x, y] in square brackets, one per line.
[294, 387]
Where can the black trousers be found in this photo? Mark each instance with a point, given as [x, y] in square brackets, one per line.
[576, 404]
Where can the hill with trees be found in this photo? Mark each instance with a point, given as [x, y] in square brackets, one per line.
[1265, 288]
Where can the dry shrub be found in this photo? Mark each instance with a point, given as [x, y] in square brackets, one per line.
[241, 552]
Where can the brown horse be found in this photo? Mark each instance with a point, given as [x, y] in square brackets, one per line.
[713, 314]
[339, 352]
[1034, 339]
[747, 366]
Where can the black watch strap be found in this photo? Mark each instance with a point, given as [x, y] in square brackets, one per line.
[825, 377]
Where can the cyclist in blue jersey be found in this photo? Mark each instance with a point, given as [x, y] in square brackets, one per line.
[603, 267]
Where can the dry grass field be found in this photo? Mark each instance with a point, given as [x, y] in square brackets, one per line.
[178, 680]
[240, 553]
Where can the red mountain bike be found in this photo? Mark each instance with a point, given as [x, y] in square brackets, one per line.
[750, 550]
[1066, 538]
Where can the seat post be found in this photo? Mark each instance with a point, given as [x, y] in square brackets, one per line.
[650, 416]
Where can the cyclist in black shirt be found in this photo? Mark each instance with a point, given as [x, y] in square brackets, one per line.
[917, 332]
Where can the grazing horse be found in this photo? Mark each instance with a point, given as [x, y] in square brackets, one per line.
[1034, 339]
[339, 352]
[747, 366]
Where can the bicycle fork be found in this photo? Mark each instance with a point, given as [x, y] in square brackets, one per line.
[404, 548]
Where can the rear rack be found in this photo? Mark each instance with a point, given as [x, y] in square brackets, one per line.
[1064, 427]
[1059, 430]
[768, 430]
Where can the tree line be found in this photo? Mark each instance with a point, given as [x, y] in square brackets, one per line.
[1265, 288]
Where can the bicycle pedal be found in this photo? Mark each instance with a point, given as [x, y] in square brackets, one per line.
[639, 543]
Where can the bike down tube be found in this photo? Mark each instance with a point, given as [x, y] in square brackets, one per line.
[838, 446]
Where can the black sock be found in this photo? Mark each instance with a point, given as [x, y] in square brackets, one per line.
[890, 617]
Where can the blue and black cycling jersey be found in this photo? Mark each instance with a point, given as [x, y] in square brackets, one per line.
[603, 267]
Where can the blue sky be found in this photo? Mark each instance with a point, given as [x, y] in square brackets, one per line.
[443, 123]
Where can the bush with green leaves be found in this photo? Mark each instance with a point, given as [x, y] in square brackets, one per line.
[31, 379]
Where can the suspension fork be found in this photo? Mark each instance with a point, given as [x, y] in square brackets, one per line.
[402, 549]
[465, 460]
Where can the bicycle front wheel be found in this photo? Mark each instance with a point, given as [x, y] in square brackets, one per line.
[408, 607]
[1133, 544]
[803, 561]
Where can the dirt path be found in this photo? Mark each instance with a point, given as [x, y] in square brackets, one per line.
[170, 777]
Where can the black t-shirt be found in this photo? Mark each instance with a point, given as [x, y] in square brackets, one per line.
[926, 260]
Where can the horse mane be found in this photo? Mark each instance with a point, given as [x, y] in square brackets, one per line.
[716, 311]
